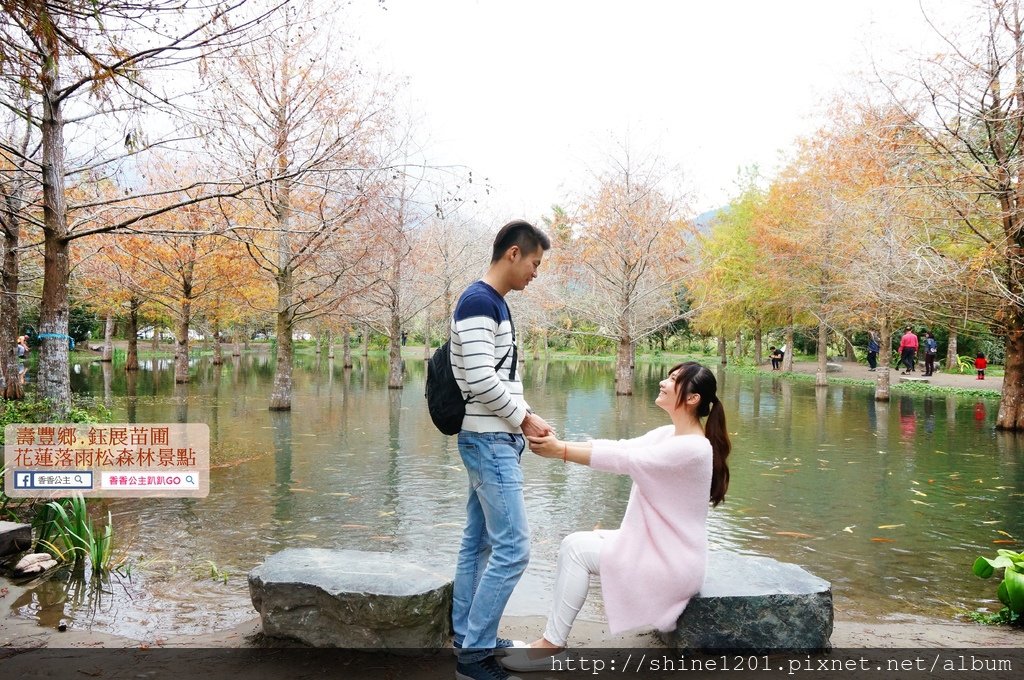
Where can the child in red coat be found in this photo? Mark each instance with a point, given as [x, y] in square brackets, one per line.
[980, 364]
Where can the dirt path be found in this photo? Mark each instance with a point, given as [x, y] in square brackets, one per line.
[860, 371]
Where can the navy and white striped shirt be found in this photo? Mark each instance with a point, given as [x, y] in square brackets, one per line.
[481, 331]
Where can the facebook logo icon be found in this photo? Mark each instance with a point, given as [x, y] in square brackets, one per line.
[22, 480]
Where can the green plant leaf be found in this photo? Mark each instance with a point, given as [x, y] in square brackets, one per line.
[984, 567]
[1002, 594]
[1014, 582]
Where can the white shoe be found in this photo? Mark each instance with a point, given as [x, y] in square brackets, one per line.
[520, 660]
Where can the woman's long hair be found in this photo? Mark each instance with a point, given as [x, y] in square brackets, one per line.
[694, 378]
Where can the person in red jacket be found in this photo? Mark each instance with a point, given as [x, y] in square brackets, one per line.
[980, 364]
[908, 350]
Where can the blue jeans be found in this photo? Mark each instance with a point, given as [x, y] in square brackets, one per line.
[495, 543]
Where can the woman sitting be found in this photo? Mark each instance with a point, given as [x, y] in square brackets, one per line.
[654, 562]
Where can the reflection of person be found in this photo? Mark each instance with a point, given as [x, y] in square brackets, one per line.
[654, 562]
[495, 545]
[908, 419]
[776, 357]
[931, 348]
[872, 350]
[908, 350]
[980, 364]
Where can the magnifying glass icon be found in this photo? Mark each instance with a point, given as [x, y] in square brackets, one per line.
[189, 479]
[78, 479]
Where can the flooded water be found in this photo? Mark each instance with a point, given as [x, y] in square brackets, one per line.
[890, 502]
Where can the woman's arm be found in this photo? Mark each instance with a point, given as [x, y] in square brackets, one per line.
[570, 452]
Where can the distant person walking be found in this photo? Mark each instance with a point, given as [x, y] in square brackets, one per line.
[908, 350]
[931, 349]
[22, 350]
[872, 350]
[980, 364]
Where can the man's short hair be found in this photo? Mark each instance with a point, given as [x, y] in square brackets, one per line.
[519, 233]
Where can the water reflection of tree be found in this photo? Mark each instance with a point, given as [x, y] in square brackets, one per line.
[132, 395]
[108, 379]
[283, 497]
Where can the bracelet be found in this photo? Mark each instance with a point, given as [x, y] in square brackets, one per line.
[565, 452]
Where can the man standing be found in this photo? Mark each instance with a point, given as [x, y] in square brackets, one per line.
[873, 348]
[908, 350]
[495, 545]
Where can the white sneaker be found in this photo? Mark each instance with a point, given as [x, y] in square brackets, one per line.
[520, 660]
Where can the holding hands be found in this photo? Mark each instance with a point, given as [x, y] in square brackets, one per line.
[547, 446]
[535, 426]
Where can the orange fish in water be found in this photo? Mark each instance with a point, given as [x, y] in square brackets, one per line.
[1004, 541]
[793, 534]
[883, 540]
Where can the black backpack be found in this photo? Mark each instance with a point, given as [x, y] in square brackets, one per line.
[445, 401]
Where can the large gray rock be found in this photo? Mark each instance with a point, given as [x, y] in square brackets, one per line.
[14, 537]
[755, 603]
[353, 599]
[831, 367]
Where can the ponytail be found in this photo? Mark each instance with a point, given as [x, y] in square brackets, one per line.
[697, 379]
[718, 435]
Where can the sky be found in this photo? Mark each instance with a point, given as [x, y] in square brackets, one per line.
[534, 96]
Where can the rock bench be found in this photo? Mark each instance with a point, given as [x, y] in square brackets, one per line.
[353, 599]
[755, 603]
[356, 599]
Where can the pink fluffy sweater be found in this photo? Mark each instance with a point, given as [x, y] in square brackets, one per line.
[655, 561]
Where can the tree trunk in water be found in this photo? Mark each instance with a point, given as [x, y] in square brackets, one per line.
[426, 338]
[132, 362]
[787, 358]
[346, 348]
[366, 341]
[737, 348]
[281, 396]
[624, 367]
[758, 343]
[9, 364]
[821, 377]
[181, 344]
[108, 339]
[547, 351]
[236, 332]
[722, 350]
[155, 342]
[54, 380]
[951, 353]
[395, 352]
[884, 357]
[1011, 403]
[330, 345]
[218, 353]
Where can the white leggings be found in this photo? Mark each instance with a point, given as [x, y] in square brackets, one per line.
[579, 557]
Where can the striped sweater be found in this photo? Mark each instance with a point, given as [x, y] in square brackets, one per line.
[481, 334]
